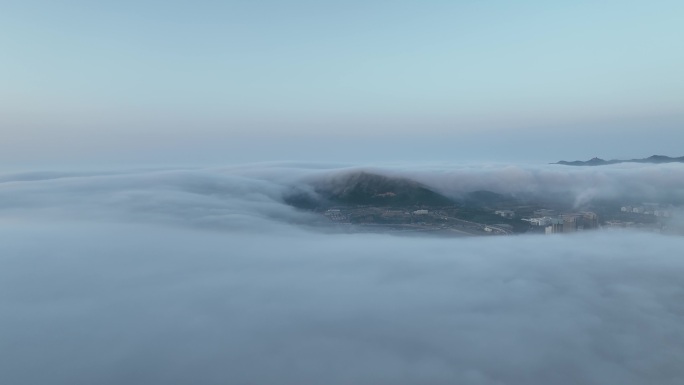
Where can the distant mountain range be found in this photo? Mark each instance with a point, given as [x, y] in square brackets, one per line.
[602, 162]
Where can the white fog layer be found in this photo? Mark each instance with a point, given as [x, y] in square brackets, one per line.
[206, 276]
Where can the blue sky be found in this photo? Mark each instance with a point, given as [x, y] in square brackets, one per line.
[193, 82]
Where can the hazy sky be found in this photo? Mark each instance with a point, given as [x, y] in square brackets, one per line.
[225, 81]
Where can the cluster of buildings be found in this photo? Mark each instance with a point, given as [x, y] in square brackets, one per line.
[645, 220]
[647, 209]
[336, 215]
[615, 224]
[550, 222]
[509, 214]
[564, 223]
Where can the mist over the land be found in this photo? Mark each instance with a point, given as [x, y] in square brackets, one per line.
[257, 192]
[207, 276]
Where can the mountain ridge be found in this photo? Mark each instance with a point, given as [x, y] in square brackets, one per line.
[368, 189]
[654, 159]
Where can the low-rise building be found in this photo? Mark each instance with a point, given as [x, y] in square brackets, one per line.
[545, 221]
[505, 213]
[554, 228]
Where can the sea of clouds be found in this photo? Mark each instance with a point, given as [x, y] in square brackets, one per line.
[205, 276]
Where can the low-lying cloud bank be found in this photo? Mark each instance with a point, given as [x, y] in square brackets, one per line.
[206, 276]
[114, 304]
[581, 184]
[241, 196]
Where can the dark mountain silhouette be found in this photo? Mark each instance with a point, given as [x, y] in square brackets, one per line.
[367, 189]
[363, 188]
[600, 162]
